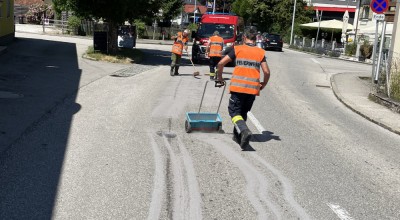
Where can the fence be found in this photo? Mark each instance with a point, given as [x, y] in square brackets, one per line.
[158, 33]
[321, 46]
[86, 27]
[55, 26]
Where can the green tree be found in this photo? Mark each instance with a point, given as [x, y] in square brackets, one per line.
[272, 15]
[170, 9]
[116, 12]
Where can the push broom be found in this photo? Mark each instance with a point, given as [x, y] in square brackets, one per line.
[195, 73]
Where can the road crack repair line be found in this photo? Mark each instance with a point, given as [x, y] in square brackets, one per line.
[159, 182]
[256, 184]
[186, 197]
[287, 186]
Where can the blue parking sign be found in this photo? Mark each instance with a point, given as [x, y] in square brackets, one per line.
[379, 6]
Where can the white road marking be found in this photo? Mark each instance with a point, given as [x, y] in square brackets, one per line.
[159, 182]
[315, 61]
[303, 101]
[256, 123]
[340, 212]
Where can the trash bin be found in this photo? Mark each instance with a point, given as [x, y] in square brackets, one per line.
[100, 41]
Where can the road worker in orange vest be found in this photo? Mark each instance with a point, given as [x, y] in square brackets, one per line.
[214, 52]
[245, 83]
[181, 43]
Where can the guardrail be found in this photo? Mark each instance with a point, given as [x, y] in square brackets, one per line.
[53, 24]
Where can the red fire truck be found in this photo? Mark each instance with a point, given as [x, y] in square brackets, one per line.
[229, 26]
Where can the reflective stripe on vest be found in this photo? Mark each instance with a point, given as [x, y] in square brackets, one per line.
[177, 47]
[246, 75]
[216, 46]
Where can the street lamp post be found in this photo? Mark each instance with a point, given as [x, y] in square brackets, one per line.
[294, 14]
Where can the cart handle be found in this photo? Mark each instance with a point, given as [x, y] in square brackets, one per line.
[218, 84]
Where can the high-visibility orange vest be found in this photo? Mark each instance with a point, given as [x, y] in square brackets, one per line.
[177, 47]
[246, 75]
[216, 46]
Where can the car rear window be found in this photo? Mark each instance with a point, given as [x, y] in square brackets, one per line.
[274, 37]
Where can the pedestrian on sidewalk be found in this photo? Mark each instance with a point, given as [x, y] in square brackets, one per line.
[245, 83]
[214, 52]
[181, 42]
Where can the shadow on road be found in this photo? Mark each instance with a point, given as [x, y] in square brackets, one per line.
[161, 57]
[265, 137]
[43, 72]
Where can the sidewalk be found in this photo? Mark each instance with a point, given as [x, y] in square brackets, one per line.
[353, 92]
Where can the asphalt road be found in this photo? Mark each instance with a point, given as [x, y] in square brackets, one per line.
[117, 148]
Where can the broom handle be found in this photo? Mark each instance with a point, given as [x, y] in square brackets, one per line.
[191, 60]
[202, 97]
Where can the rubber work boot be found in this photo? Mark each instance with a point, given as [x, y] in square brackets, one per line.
[235, 139]
[212, 76]
[176, 70]
[172, 71]
[235, 136]
[245, 137]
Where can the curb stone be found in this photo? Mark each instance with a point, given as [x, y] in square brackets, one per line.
[391, 104]
[341, 99]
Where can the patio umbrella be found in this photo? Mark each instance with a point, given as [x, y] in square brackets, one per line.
[329, 24]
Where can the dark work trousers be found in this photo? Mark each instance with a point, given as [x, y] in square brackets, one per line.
[213, 63]
[240, 104]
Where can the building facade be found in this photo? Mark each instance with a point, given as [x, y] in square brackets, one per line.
[334, 9]
[191, 8]
[365, 24]
[7, 29]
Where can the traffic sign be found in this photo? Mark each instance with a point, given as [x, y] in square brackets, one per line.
[379, 6]
[379, 17]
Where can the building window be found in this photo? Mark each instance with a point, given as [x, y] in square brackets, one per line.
[365, 12]
[365, 2]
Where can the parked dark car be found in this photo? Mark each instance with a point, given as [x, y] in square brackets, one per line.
[273, 41]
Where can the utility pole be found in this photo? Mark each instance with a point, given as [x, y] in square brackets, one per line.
[357, 21]
[294, 14]
[394, 52]
[319, 16]
[214, 7]
[195, 9]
